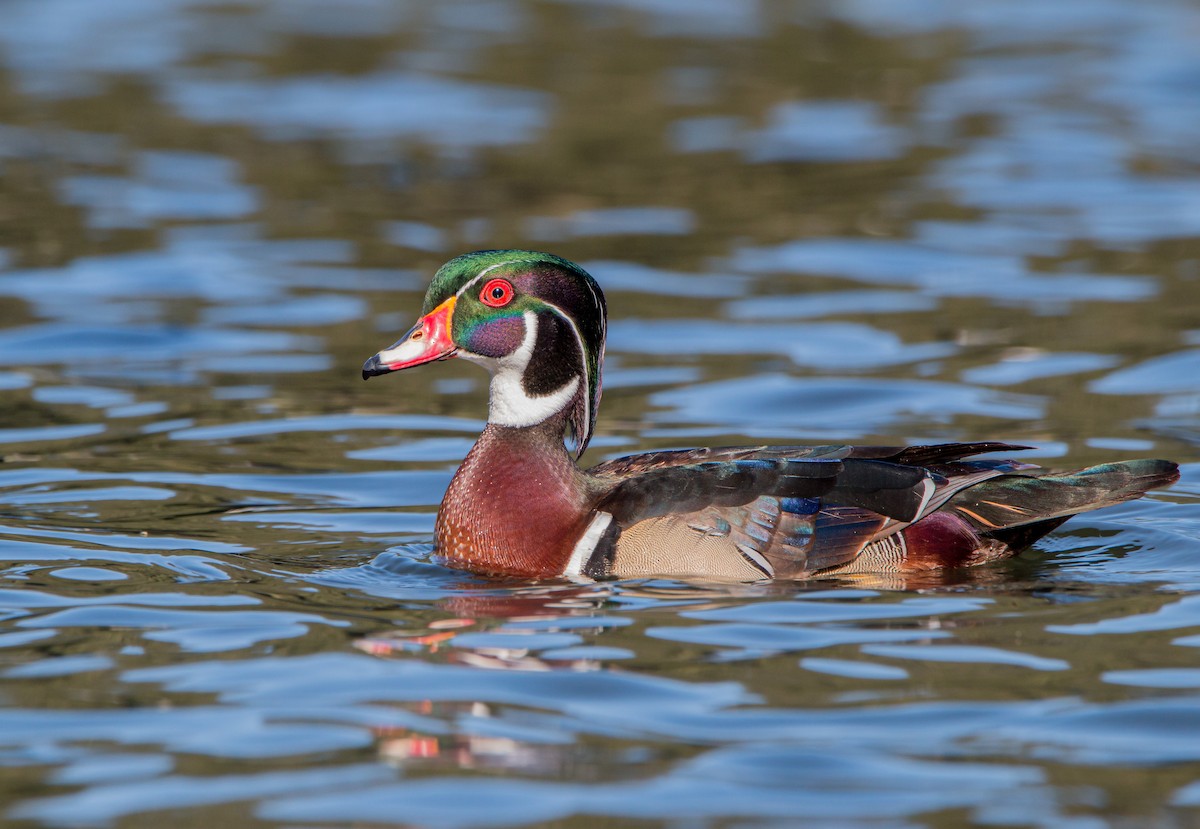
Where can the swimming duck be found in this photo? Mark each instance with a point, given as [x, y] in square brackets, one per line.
[520, 506]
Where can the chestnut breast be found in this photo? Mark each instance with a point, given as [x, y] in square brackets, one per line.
[512, 508]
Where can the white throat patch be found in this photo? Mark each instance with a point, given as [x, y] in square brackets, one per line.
[509, 403]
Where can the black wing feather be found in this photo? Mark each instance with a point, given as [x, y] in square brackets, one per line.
[690, 487]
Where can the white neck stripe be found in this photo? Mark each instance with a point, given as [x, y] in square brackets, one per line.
[583, 369]
[510, 404]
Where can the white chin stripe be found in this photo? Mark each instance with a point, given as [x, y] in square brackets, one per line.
[510, 404]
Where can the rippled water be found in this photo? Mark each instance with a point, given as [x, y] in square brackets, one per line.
[877, 220]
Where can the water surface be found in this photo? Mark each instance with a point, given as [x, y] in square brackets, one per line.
[869, 221]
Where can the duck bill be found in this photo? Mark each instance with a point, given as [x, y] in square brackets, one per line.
[427, 341]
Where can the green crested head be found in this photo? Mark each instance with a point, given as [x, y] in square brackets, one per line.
[455, 274]
[535, 320]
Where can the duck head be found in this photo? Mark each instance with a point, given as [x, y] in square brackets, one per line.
[534, 320]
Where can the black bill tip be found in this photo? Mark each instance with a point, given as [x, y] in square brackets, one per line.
[373, 368]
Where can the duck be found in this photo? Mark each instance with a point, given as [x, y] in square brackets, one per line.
[520, 505]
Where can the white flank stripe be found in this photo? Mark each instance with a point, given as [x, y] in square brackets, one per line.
[930, 488]
[586, 546]
[756, 558]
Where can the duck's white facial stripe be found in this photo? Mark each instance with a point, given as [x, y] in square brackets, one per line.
[510, 404]
[473, 281]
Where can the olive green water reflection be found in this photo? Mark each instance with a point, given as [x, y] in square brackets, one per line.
[869, 221]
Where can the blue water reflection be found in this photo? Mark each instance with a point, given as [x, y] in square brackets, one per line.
[165, 186]
[819, 406]
[443, 111]
[941, 272]
[875, 220]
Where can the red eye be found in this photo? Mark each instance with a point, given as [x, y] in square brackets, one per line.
[496, 293]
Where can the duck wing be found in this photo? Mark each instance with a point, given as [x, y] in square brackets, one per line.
[895, 482]
[686, 487]
[908, 455]
[756, 512]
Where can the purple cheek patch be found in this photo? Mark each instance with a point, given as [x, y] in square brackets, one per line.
[496, 337]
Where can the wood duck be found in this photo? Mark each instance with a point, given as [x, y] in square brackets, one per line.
[520, 506]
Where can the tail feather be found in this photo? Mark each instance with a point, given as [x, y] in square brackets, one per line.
[1019, 500]
[1016, 539]
[949, 452]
